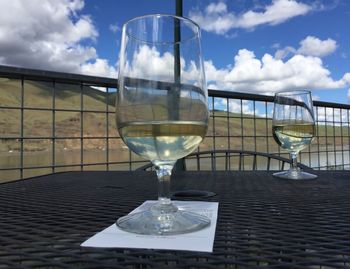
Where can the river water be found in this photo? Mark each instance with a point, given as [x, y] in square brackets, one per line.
[74, 157]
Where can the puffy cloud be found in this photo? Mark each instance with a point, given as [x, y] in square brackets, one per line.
[346, 78]
[214, 8]
[147, 61]
[47, 34]
[279, 11]
[216, 18]
[213, 74]
[100, 67]
[217, 22]
[311, 46]
[247, 73]
[270, 74]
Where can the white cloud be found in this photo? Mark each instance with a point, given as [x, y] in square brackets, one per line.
[279, 11]
[285, 52]
[216, 17]
[212, 73]
[270, 74]
[47, 34]
[346, 78]
[213, 8]
[311, 46]
[147, 61]
[234, 106]
[246, 108]
[247, 73]
[339, 116]
[114, 28]
[100, 67]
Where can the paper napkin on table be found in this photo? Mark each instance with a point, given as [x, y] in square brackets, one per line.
[203, 240]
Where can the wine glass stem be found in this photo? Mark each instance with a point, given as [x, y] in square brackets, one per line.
[293, 156]
[164, 175]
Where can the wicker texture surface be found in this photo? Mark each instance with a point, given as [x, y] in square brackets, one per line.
[263, 222]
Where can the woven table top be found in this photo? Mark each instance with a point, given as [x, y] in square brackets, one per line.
[263, 222]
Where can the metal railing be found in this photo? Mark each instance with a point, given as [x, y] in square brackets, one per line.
[52, 122]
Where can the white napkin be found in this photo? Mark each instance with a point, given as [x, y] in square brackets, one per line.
[203, 240]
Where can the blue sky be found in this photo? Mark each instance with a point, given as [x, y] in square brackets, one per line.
[248, 45]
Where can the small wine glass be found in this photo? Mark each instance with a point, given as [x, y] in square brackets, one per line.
[162, 113]
[293, 128]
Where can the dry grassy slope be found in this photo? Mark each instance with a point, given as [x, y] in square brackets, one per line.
[39, 122]
[67, 96]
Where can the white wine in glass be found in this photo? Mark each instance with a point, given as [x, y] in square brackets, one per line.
[160, 140]
[293, 128]
[162, 113]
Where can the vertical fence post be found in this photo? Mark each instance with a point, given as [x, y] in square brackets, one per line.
[180, 164]
[22, 128]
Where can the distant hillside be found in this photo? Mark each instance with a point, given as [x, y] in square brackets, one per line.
[39, 123]
[39, 94]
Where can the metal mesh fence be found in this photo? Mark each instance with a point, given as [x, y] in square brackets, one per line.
[52, 122]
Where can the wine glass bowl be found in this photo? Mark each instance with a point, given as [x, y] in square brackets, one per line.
[293, 128]
[162, 113]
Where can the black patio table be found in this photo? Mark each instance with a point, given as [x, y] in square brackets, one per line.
[263, 222]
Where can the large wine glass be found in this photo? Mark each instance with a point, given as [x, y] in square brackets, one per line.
[162, 113]
[293, 128]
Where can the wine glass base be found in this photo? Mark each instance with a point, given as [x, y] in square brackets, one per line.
[295, 175]
[155, 222]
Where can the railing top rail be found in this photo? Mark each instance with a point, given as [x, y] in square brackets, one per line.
[36, 74]
[267, 98]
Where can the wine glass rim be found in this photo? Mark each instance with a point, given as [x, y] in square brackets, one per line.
[198, 29]
[293, 92]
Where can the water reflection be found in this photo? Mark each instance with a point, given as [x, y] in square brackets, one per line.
[71, 157]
